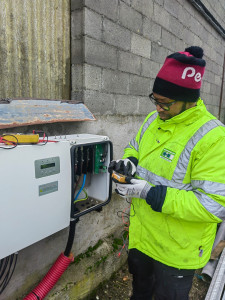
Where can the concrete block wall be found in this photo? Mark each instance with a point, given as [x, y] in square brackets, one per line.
[216, 8]
[124, 44]
[117, 48]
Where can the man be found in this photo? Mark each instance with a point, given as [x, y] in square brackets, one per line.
[178, 194]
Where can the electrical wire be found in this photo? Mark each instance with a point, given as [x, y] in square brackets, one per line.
[84, 180]
[8, 144]
[7, 267]
[82, 199]
[43, 141]
[126, 221]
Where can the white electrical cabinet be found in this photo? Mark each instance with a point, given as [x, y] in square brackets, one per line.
[38, 188]
[90, 155]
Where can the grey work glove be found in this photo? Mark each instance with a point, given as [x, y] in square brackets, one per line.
[122, 166]
[137, 188]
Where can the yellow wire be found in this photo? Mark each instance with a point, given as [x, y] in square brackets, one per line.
[83, 198]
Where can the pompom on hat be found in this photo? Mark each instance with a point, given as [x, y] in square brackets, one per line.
[180, 77]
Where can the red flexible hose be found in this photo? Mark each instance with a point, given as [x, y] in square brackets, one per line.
[50, 278]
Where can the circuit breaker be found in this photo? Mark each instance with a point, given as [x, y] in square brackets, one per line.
[43, 186]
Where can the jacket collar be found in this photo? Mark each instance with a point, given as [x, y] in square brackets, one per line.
[187, 117]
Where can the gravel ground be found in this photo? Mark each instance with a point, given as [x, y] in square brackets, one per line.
[119, 287]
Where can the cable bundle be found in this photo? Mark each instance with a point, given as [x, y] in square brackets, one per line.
[8, 144]
[7, 267]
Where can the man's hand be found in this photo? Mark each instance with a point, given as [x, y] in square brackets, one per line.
[137, 188]
[122, 166]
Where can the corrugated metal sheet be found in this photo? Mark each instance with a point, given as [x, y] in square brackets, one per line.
[35, 49]
[14, 113]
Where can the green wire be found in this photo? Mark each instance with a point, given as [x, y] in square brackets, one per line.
[86, 197]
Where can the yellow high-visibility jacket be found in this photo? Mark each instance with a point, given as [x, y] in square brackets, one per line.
[187, 154]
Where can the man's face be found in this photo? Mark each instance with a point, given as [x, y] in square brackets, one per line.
[174, 109]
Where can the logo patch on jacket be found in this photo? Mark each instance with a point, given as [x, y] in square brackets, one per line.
[167, 154]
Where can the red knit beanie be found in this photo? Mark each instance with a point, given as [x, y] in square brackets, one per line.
[181, 75]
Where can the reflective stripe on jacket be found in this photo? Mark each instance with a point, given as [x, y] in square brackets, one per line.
[187, 154]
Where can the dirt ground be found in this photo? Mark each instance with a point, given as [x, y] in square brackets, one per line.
[119, 287]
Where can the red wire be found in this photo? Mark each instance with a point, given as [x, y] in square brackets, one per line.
[4, 141]
[126, 228]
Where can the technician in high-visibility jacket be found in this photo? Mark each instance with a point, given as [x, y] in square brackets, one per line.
[178, 196]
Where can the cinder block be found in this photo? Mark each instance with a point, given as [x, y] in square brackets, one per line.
[160, 2]
[126, 1]
[216, 100]
[188, 36]
[168, 40]
[209, 76]
[76, 24]
[76, 4]
[77, 95]
[218, 80]
[215, 89]
[161, 16]
[172, 6]
[184, 16]
[92, 77]
[107, 8]
[151, 30]
[129, 62]
[180, 44]
[145, 106]
[100, 54]
[214, 110]
[92, 24]
[146, 70]
[139, 86]
[149, 68]
[130, 18]
[222, 115]
[116, 35]
[99, 103]
[194, 25]
[143, 6]
[77, 77]
[140, 45]
[158, 53]
[126, 105]
[176, 27]
[219, 58]
[218, 45]
[77, 51]
[190, 8]
[216, 69]
[115, 82]
[205, 86]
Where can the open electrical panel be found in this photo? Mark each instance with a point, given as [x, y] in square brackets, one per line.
[91, 182]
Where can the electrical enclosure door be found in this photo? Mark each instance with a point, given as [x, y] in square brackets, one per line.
[90, 157]
[35, 197]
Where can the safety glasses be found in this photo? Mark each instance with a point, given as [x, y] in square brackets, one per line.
[164, 106]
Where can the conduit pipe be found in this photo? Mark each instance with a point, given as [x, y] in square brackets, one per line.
[208, 16]
[50, 278]
[56, 270]
[221, 91]
[209, 269]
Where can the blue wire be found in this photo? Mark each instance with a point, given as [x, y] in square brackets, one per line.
[84, 179]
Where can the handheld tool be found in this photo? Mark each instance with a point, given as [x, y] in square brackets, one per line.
[120, 178]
